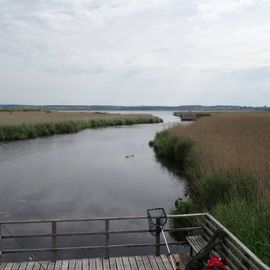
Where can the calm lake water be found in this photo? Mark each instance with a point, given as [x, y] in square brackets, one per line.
[87, 174]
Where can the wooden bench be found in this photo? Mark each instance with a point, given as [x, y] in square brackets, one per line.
[203, 249]
[196, 243]
[236, 255]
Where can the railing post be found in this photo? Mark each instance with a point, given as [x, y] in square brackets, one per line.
[54, 240]
[0, 244]
[107, 239]
[158, 236]
[245, 261]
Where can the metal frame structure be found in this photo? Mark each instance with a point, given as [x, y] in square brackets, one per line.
[233, 249]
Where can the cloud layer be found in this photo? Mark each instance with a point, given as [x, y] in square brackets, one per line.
[129, 52]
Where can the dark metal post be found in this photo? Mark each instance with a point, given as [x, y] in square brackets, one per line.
[107, 239]
[54, 240]
[157, 236]
[0, 244]
[245, 261]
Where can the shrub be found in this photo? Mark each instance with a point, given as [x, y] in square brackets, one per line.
[214, 189]
[244, 186]
[182, 207]
[182, 150]
[164, 146]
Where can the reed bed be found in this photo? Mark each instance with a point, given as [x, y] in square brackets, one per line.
[226, 160]
[27, 125]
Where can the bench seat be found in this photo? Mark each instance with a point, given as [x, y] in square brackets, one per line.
[196, 243]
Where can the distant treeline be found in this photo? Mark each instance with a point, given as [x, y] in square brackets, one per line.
[23, 109]
[197, 108]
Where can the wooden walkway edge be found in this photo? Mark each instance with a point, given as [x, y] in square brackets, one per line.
[117, 263]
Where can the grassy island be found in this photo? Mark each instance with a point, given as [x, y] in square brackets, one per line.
[21, 125]
[225, 159]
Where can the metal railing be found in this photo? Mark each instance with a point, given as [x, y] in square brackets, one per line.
[236, 253]
[107, 232]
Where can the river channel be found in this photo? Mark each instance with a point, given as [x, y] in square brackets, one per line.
[93, 173]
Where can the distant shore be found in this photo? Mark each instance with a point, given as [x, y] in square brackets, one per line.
[22, 125]
[183, 108]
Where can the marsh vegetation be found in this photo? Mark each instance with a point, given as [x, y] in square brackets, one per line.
[226, 161]
[26, 125]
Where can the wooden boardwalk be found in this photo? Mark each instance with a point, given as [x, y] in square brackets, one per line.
[119, 263]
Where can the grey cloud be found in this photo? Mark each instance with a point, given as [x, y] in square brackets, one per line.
[130, 52]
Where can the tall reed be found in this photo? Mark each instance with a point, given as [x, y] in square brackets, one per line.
[226, 160]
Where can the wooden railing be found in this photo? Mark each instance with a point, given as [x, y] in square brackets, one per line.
[235, 252]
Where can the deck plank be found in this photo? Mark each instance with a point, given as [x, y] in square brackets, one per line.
[23, 266]
[29, 266]
[119, 263]
[126, 263]
[37, 266]
[2, 266]
[71, 265]
[178, 259]
[99, 265]
[181, 261]
[184, 259]
[146, 263]
[153, 262]
[106, 264]
[140, 263]
[65, 265]
[58, 265]
[85, 264]
[166, 262]
[78, 264]
[9, 266]
[16, 266]
[113, 264]
[133, 263]
[44, 265]
[92, 264]
[160, 263]
[51, 266]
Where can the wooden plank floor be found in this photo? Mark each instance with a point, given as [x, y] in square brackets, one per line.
[118, 263]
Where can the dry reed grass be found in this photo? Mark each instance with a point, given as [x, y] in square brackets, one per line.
[18, 118]
[226, 159]
[231, 142]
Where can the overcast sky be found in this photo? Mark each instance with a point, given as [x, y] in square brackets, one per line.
[135, 52]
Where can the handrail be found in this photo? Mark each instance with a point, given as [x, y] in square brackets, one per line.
[107, 232]
[98, 233]
[247, 251]
[210, 224]
[10, 251]
[94, 219]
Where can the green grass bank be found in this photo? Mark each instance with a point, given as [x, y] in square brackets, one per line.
[223, 183]
[29, 131]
